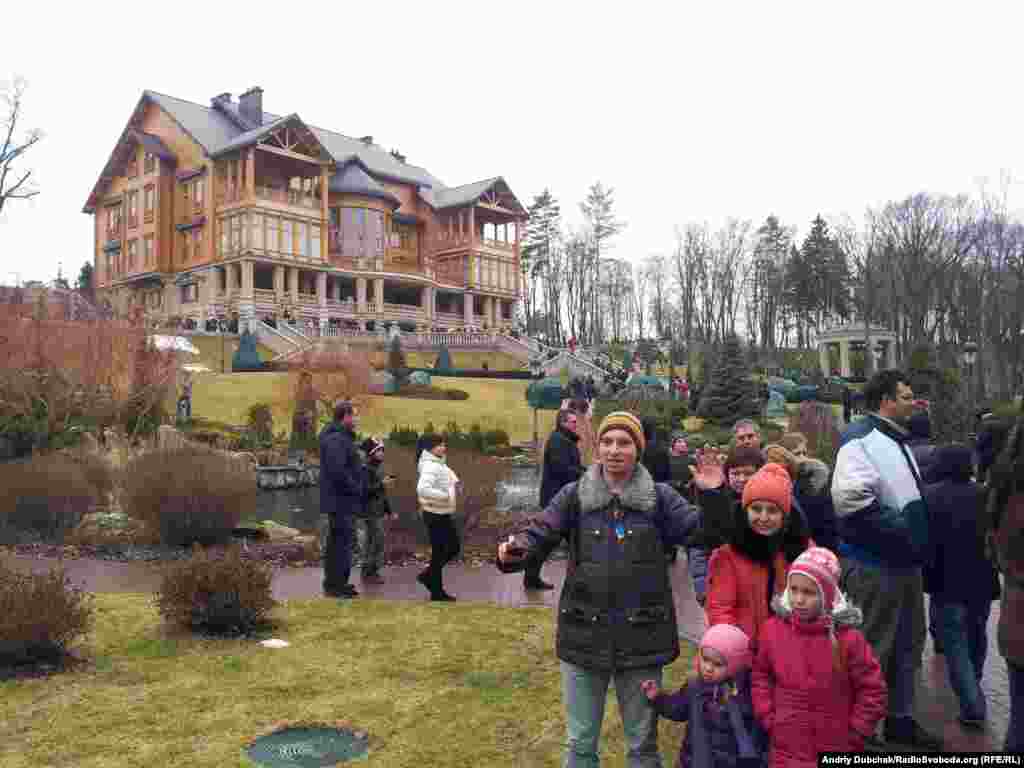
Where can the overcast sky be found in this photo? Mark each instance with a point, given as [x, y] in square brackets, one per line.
[691, 111]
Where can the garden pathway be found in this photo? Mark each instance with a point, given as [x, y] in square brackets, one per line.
[936, 704]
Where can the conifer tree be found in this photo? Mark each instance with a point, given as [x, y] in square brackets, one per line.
[731, 395]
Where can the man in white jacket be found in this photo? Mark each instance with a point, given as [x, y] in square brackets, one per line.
[436, 490]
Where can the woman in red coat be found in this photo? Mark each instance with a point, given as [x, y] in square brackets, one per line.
[817, 686]
[744, 574]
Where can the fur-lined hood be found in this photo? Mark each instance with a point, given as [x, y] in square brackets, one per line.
[812, 478]
[639, 495]
[844, 613]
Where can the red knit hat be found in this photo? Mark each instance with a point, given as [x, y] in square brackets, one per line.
[821, 566]
[770, 483]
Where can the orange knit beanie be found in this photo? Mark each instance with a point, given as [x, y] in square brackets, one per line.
[770, 483]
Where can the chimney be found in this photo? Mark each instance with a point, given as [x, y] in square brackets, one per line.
[398, 155]
[222, 98]
[367, 140]
[250, 105]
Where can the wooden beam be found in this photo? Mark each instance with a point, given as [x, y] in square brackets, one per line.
[289, 153]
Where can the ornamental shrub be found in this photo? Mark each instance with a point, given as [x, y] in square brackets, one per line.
[216, 592]
[261, 422]
[48, 494]
[189, 494]
[41, 614]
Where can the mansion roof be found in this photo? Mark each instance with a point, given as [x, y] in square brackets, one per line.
[223, 129]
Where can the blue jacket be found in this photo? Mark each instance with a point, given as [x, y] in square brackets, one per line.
[342, 482]
[713, 723]
[881, 515]
[960, 572]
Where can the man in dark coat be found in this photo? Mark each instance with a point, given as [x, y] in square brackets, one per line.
[562, 465]
[962, 580]
[342, 496]
[655, 457]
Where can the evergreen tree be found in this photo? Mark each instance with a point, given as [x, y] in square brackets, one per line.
[84, 283]
[767, 287]
[539, 238]
[444, 360]
[246, 357]
[597, 212]
[731, 395]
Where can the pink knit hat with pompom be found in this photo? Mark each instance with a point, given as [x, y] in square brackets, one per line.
[734, 645]
[821, 566]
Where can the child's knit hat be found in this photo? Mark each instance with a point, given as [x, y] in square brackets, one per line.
[734, 645]
[770, 483]
[821, 566]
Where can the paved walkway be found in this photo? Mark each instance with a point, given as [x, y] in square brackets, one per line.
[936, 704]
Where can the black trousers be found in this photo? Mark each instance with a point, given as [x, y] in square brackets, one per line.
[444, 546]
[531, 574]
[338, 558]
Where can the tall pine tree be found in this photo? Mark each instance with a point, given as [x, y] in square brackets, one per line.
[731, 394]
[539, 239]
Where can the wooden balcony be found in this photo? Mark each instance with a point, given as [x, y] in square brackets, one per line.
[292, 197]
[147, 217]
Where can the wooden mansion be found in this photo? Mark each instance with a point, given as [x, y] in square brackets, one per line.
[226, 211]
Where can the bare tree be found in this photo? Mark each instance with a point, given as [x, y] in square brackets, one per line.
[865, 253]
[690, 263]
[641, 281]
[16, 183]
[656, 272]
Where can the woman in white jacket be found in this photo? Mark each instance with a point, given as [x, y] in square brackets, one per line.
[436, 490]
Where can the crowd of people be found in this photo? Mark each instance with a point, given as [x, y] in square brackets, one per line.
[812, 578]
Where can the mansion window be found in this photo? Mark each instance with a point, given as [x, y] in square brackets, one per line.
[147, 251]
[149, 163]
[360, 231]
[192, 193]
[148, 199]
[133, 208]
[189, 293]
[403, 237]
[133, 252]
[114, 221]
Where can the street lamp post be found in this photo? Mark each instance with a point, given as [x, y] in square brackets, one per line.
[969, 354]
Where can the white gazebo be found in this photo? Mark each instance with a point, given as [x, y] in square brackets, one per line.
[881, 342]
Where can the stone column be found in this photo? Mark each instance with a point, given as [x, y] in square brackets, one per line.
[467, 308]
[844, 359]
[890, 354]
[378, 293]
[321, 289]
[294, 279]
[823, 357]
[360, 294]
[489, 311]
[229, 285]
[278, 284]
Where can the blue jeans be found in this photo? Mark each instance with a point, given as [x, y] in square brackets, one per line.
[338, 557]
[1015, 733]
[584, 692]
[962, 628]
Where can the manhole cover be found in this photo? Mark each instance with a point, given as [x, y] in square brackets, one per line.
[308, 747]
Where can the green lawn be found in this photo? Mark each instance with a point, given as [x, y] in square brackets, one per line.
[492, 403]
[438, 685]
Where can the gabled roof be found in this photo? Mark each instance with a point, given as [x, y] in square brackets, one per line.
[219, 130]
[255, 134]
[468, 194]
[352, 179]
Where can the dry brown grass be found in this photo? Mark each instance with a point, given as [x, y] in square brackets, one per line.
[434, 685]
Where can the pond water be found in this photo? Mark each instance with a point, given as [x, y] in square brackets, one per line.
[300, 507]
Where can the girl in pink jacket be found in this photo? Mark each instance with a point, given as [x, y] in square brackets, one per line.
[816, 684]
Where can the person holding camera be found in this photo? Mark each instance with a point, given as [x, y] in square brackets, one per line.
[616, 615]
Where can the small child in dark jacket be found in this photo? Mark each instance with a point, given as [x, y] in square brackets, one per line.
[722, 731]
[963, 582]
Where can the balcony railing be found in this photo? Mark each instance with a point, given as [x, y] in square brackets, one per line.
[288, 197]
